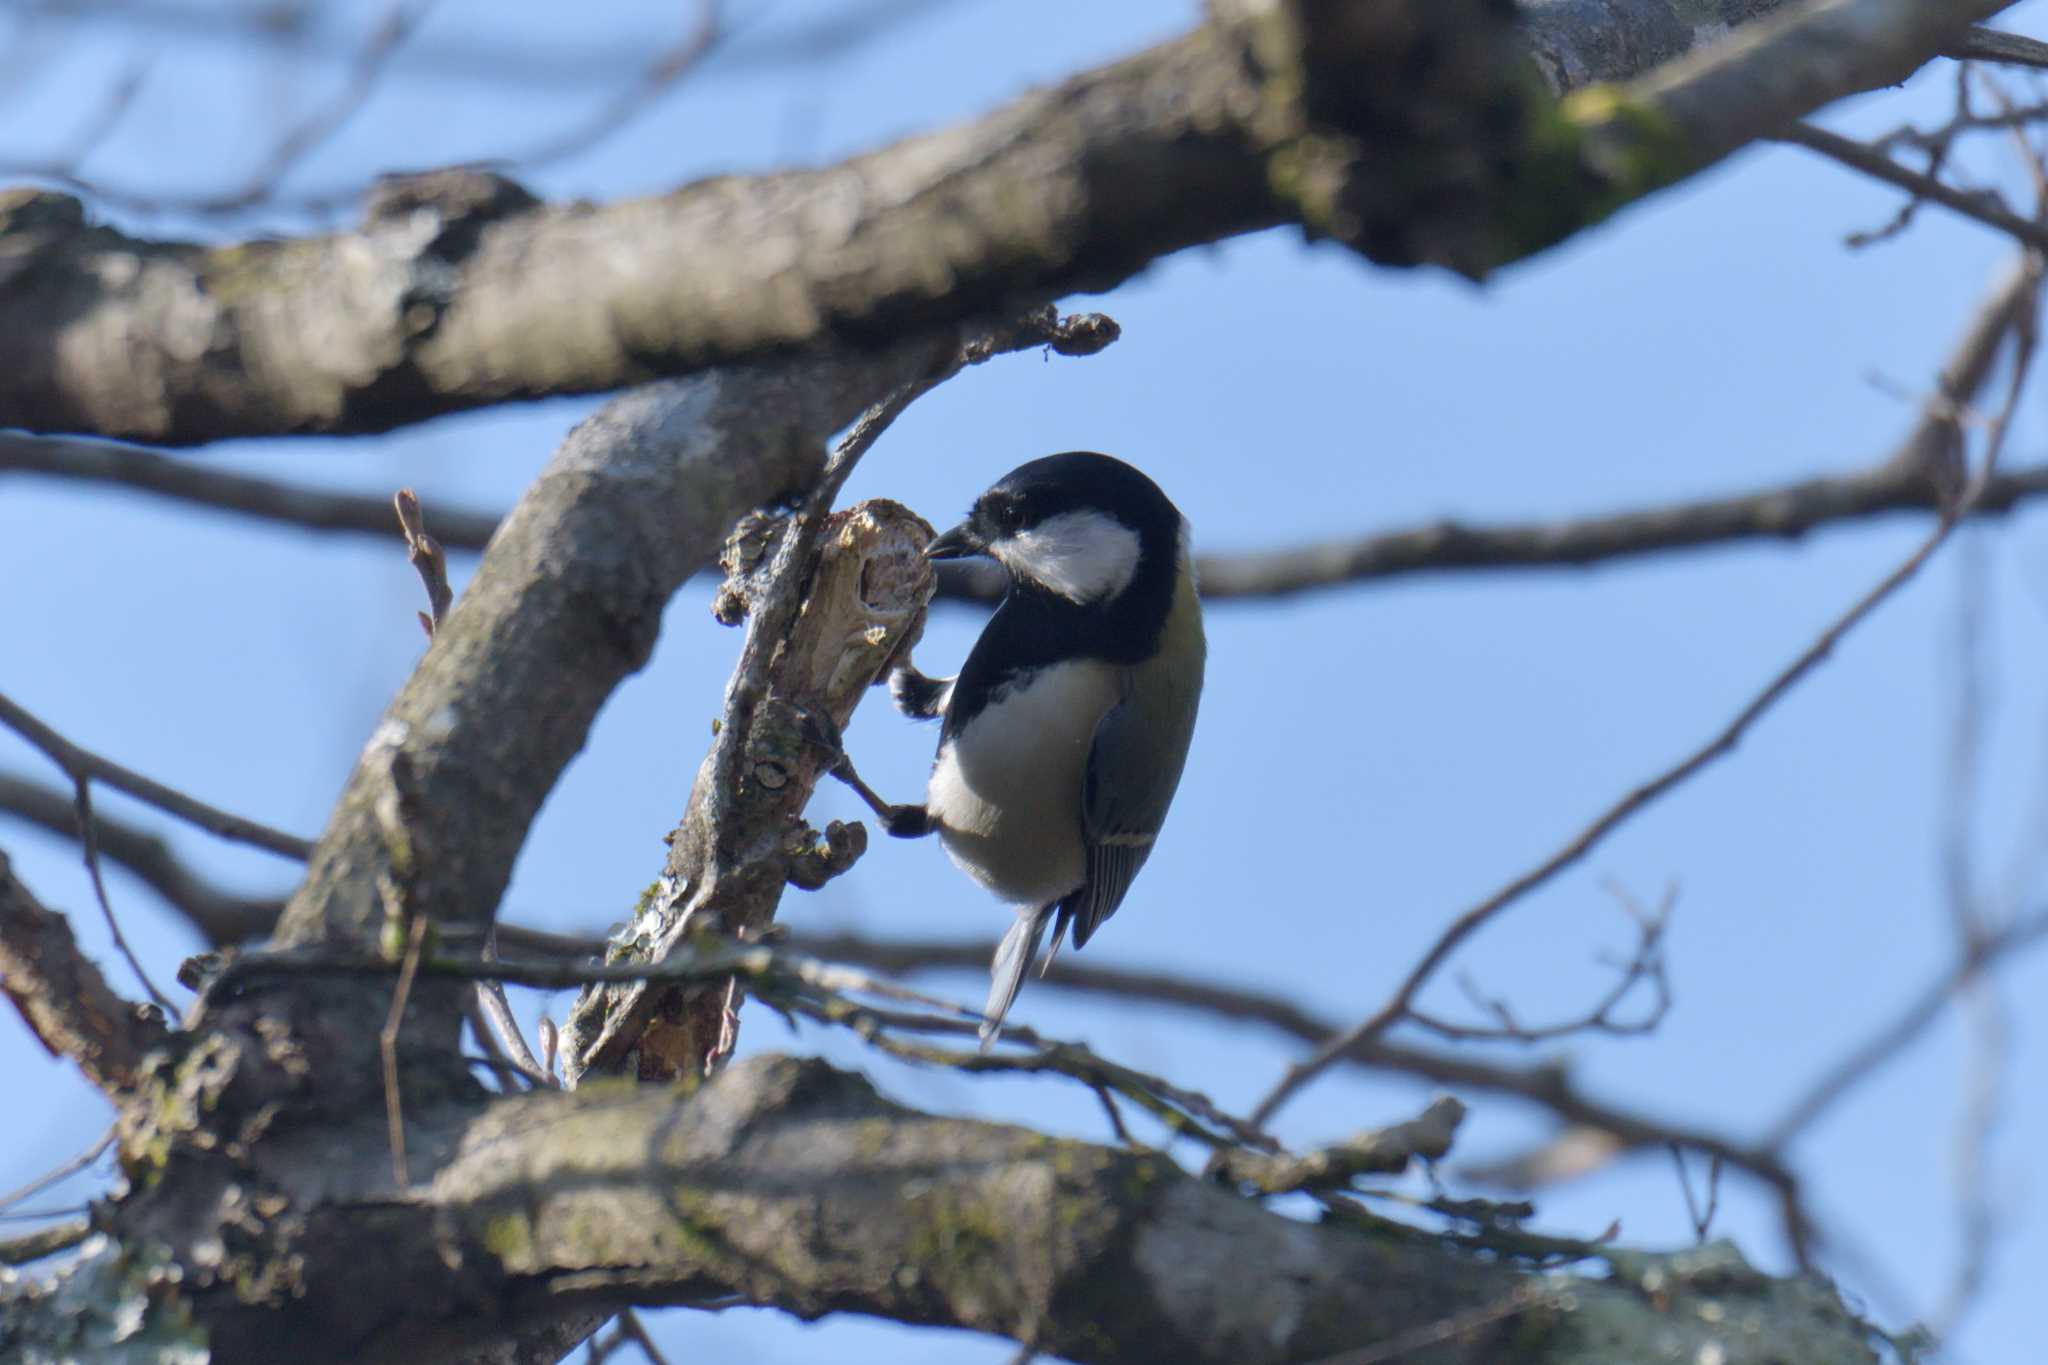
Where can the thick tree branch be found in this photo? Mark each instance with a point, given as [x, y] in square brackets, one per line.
[460, 290]
[751, 1191]
[62, 997]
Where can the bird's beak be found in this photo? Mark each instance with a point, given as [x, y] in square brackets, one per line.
[958, 543]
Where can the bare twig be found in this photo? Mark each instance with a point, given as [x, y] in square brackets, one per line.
[80, 764]
[627, 1330]
[816, 990]
[1524, 1299]
[89, 844]
[1870, 1055]
[223, 916]
[636, 1332]
[1980, 1225]
[1936, 145]
[1546, 1086]
[366, 70]
[497, 1013]
[1782, 512]
[1644, 966]
[327, 118]
[424, 553]
[141, 470]
[631, 100]
[2023, 284]
[1971, 919]
[387, 1041]
[63, 1172]
[1107, 1098]
[1700, 1213]
[1987, 209]
[119, 99]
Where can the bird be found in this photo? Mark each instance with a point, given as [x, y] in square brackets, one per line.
[1063, 737]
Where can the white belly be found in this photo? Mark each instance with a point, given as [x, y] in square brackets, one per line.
[1006, 792]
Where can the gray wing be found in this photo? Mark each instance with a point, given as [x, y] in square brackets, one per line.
[1134, 766]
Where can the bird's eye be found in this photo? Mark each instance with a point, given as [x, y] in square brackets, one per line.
[1010, 516]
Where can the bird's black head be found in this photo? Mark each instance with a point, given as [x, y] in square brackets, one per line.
[1080, 526]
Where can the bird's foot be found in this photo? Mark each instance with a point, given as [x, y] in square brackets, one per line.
[903, 822]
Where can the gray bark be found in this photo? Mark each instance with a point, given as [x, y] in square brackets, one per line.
[1416, 132]
[788, 1183]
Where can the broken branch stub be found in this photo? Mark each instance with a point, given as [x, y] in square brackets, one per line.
[734, 850]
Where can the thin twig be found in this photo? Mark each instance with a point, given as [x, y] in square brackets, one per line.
[1782, 512]
[141, 470]
[1722, 742]
[79, 764]
[120, 98]
[636, 1332]
[387, 1041]
[1700, 1214]
[89, 844]
[1986, 209]
[1886, 1043]
[817, 990]
[1980, 1225]
[497, 1012]
[400, 21]
[1643, 966]
[63, 1172]
[632, 100]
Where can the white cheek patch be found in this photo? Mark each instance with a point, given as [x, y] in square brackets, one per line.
[1082, 556]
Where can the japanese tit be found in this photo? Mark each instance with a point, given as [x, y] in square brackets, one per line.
[1063, 737]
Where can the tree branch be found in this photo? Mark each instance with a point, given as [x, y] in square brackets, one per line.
[1991, 45]
[62, 997]
[1784, 512]
[460, 290]
[187, 481]
[745, 1193]
[1545, 1085]
[83, 765]
[1987, 209]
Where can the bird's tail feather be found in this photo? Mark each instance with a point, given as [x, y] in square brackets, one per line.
[1013, 958]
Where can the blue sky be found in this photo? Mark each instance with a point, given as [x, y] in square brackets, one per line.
[1369, 761]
